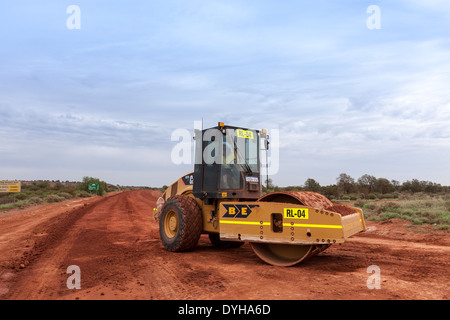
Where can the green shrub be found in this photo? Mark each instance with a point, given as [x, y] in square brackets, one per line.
[447, 205]
[34, 200]
[65, 195]
[83, 194]
[6, 200]
[360, 204]
[84, 186]
[372, 196]
[390, 196]
[6, 206]
[419, 221]
[53, 198]
[20, 196]
[353, 197]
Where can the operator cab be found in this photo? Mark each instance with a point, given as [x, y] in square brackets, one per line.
[227, 163]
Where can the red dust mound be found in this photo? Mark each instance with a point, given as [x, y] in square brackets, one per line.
[343, 210]
[307, 198]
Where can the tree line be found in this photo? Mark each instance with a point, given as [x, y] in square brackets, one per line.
[365, 187]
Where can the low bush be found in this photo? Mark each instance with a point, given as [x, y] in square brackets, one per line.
[83, 194]
[53, 198]
[34, 200]
[65, 195]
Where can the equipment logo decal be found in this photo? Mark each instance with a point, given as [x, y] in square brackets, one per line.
[238, 210]
[188, 179]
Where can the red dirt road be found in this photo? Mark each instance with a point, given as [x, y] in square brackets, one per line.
[115, 243]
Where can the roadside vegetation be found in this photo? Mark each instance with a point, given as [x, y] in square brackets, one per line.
[44, 191]
[434, 211]
[423, 203]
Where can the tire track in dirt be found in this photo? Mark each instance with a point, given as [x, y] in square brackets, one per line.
[40, 266]
[90, 237]
[54, 231]
[401, 244]
[109, 252]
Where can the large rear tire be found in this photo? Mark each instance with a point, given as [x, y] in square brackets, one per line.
[180, 223]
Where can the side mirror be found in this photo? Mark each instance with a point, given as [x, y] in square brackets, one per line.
[266, 143]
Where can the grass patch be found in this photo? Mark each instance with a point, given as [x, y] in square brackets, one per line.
[7, 206]
[435, 211]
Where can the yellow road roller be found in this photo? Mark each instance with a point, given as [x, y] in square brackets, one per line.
[222, 197]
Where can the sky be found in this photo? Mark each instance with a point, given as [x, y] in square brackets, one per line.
[100, 91]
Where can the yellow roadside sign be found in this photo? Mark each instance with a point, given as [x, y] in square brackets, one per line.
[10, 186]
